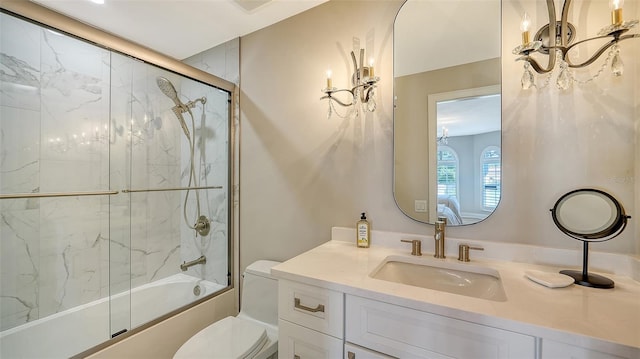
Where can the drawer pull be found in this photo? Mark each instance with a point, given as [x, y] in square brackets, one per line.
[319, 308]
[351, 355]
[296, 356]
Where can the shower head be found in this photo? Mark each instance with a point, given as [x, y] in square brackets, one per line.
[167, 88]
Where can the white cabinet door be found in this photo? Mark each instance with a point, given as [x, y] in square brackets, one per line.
[352, 351]
[408, 333]
[556, 350]
[297, 342]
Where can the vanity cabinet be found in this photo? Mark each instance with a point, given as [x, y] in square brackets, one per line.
[553, 350]
[407, 333]
[316, 322]
[311, 321]
[298, 342]
[352, 351]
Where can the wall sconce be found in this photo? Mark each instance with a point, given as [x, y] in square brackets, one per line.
[563, 33]
[363, 90]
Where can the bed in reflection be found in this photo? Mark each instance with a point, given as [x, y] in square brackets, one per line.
[449, 208]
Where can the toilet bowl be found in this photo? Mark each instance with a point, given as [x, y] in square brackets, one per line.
[251, 334]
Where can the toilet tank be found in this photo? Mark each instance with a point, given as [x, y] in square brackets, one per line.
[259, 295]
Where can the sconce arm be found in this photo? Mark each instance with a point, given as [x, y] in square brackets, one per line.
[361, 69]
[344, 104]
[600, 51]
[355, 65]
[536, 66]
[564, 24]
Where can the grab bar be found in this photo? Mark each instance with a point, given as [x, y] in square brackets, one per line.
[168, 189]
[57, 194]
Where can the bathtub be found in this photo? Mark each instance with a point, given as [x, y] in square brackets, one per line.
[74, 330]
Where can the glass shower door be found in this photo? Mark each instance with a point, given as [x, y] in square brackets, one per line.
[170, 175]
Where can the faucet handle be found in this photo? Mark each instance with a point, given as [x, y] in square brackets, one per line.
[416, 246]
[463, 252]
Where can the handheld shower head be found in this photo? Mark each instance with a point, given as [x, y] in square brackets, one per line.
[178, 112]
[167, 88]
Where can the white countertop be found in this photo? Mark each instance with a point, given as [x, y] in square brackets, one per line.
[564, 314]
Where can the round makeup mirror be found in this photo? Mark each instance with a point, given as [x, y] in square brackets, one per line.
[589, 215]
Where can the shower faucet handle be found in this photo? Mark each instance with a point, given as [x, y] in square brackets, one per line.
[203, 226]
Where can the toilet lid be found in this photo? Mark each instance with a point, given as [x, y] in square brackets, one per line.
[227, 338]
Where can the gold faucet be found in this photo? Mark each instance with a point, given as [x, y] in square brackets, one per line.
[441, 223]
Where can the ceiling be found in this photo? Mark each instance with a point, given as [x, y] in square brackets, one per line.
[180, 28]
[470, 116]
[183, 28]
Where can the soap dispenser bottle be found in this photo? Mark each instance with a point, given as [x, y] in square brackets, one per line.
[363, 232]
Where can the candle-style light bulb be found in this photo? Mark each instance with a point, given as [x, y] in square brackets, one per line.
[616, 11]
[616, 4]
[525, 25]
[371, 73]
[329, 83]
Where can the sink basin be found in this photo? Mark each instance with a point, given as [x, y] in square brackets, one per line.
[456, 278]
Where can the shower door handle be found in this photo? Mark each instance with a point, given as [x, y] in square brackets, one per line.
[318, 308]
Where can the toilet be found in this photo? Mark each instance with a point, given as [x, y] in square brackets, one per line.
[251, 334]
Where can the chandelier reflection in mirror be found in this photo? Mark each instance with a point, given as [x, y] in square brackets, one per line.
[444, 139]
[564, 34]
[361, 94]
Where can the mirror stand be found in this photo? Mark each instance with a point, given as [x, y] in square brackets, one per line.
[583, 277]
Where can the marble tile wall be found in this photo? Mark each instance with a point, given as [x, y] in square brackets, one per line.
[75, 117]
[53, 112]
[222, 61]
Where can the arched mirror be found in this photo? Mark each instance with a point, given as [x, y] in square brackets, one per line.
[447, 110]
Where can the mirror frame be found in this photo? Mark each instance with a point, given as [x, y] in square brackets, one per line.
[617, 221]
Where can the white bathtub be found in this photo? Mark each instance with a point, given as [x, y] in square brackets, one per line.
[72, 331]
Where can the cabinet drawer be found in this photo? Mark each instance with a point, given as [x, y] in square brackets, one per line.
[312, 307]
[554, 350]
[352, 351]
[408, 333]
[296, 342]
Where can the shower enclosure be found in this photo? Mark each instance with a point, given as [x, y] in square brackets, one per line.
[114, 191]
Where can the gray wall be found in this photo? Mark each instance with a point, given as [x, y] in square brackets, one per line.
[302, 173]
